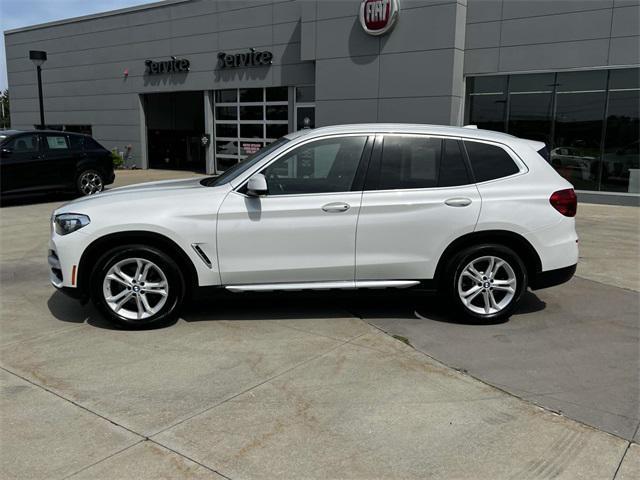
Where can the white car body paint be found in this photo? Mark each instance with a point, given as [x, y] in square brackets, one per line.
[383, 235]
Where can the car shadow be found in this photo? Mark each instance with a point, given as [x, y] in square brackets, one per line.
[365, 304]
[36, 198]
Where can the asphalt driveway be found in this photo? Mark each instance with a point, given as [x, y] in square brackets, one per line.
[300, 386]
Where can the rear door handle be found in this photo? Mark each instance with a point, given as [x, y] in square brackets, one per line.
[336, 207]
[458, 202]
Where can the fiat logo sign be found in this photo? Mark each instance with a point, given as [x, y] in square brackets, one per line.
[378, 16]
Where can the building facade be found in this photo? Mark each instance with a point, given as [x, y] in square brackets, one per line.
[201, 84]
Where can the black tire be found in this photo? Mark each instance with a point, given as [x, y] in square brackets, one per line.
[90, 182]
[175, 289]
[454, 272]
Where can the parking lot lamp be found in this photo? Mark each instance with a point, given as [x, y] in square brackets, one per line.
[38, 57]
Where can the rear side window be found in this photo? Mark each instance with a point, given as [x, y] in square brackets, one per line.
[489, 162]
[56, 142]
[76, 142]
[91, 144]
[421, 162]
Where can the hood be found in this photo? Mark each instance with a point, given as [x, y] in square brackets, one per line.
[135, 193]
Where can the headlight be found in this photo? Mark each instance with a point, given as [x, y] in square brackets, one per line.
[70, 222]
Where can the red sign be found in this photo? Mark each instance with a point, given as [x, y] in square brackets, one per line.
[378, 16]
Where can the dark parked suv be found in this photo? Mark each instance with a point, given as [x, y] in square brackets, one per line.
[44, 161]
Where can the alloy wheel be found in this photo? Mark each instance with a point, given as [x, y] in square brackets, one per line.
[135, 288]
[90, 183]
[487, 285]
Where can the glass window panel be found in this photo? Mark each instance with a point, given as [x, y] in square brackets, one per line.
[56, 142]
[226, 130]
[621, 165]
[453, 170]
[578, 133]
[277, 130]
[277, 94]
[251, 130]
[249, 148]
[226, 147]
[537, 82]
[530, 116]
[409, 162]
[277, 112]
[226, 113]
[487, 84]
[226, 96]
[306, 94]
[317, 167]
[251, 113]
[306, 118]
[489, 162]
[487, 111]
[251, 95]
[625, 78]
[576, 81]
[24, 143]
[223, 164]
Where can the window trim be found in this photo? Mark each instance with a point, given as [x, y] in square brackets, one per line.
[364, 157]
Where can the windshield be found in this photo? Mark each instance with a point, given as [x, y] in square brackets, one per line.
[243, 166]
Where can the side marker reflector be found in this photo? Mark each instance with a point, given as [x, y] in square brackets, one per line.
[73, 275]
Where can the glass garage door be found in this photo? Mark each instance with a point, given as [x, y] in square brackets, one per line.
[247, 119]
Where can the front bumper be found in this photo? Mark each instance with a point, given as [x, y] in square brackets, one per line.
[551, 278]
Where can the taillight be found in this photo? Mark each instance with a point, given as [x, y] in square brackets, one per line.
[565, 201]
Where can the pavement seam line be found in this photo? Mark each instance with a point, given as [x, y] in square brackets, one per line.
[86, 409]
[624, 454]
[466, 373]
[629, 289]
[315, 357]
[103, 459]
[188, 458]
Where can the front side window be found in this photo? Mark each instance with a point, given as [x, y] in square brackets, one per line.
[421, 162]
[489, 162]
[23, 143]
[56, 142]
[322, 166]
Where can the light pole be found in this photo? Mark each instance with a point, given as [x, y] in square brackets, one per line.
[38, 57]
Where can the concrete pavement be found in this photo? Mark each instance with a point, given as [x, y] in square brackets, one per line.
[255, 386]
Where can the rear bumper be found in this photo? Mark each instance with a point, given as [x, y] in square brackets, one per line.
[551, 278]
[110, 177]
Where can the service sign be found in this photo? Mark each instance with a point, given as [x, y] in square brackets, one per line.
[377, 17]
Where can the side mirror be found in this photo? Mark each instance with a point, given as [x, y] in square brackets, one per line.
[257, 185]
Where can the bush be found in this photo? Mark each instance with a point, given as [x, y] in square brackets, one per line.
[118, 161]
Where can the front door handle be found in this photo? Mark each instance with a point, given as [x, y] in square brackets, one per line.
[336, 207]
[458, 202]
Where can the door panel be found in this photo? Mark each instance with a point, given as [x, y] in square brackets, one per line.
[402, 233]
[20, 164]
[304, 230]
[59, 162]
[418, 198]
[288, 238]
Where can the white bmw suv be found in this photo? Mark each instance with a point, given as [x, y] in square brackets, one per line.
[478, 215]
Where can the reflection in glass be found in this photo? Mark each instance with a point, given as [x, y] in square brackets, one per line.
[226, 113]
[578, 134]
[251, 95]
[621, 169]
[251, 130]
[487, 111]
[277, 112]
[227, 147]
[530, 116]
[251, 113]
[226, 130]
[226, 96]
[536, 82]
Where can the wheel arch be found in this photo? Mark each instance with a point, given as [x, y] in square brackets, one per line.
[98, 247]
[514, 241]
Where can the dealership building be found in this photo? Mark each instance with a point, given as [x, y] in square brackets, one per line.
[201, 84]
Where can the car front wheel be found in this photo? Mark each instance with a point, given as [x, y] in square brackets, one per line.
[90, 182]
[486, 282]
[136, 286]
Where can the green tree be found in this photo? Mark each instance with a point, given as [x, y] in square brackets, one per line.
[5, 118]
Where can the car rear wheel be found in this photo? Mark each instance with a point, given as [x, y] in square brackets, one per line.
[90, 182]
[136, 286]
[485, 283]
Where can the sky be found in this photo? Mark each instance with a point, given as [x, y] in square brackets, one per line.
[22, 13]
